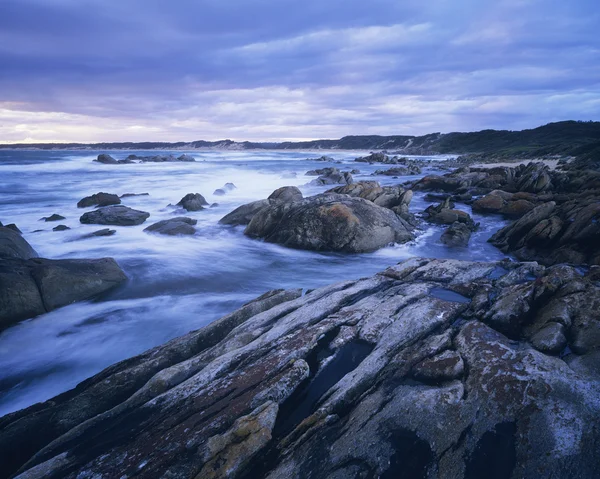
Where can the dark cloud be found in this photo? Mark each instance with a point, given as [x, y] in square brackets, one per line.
[98, 70]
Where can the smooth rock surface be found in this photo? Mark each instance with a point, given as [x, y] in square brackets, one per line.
[115, 215]
[180, 225]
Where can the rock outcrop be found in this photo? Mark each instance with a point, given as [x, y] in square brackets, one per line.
[432, 368]
[244, 214]
[115, 215]
[329, 222]
[551, 233]
[180, 225]
[30, 286]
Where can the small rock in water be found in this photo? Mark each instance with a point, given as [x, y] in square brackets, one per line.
[61, 228]
[193, 202]
[457, 234]
[127, 195]
[174, 226]
[99, 199]
[54, 217]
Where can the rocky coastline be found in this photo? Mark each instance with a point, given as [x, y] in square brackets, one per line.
[431, 368]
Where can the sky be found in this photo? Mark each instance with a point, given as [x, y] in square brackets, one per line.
[166, 70]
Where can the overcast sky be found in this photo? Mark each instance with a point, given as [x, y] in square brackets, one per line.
[166, 70]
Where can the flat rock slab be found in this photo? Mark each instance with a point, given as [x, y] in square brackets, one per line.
[174, 226]
[115, 215]
[368, 378]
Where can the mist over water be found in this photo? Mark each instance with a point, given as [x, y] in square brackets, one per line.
[176, 284]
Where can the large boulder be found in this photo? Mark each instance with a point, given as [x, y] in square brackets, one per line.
[193, 202]
[397, 375]
[174, 226]
[114, 215]
[13, 245]
[286, 194]
[242, 215]
[99, 199]
[30, 286]
[106, 159]
[329, 222]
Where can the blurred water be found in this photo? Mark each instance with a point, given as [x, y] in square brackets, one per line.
[177, 284]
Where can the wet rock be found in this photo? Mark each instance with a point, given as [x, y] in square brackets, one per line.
[106, 159]
[115, 215]
[53, 217]
[99, 199]
[128, 195]
[35, 286]
[329, 223]
[61, 228]
[255, 394]
[13, 227]
[185, 157]
[322, 158]
[224, 189]
[243, 214]
[102, 232]
[193, 202]
[458, 234]
[386, 197]
[444, 214]
[399, 171]
[174, 226]
[331, 176]
[13, 245]
[286, 194]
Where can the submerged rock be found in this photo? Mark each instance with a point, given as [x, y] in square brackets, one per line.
[224, 189]
[174, 226]
[193, 202]
[61, 228]
[366, 378]
[99, 199]
[53, 217]
[102, 232]
[115, 215]
[329, 222]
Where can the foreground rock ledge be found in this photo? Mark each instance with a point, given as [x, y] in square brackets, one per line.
[427, 369]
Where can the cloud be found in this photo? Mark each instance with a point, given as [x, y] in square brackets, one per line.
[92, 70]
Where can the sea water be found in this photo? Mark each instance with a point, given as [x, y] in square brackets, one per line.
[176, 284]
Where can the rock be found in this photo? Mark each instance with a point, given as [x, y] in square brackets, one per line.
[114, 215]
[193, 202]
[329, 223]
[286, 194]
[331, 176]
[99, 199]
[223, 191]
[243, 214]
[322, 385]
[13, 227]
[443, 367]
[387, 197]
[35, 286]
[550, 339]
[458, 234]
[127, 195]
[102, 232]
[185, 157]
[399, 171]
[174, 226]
[488, 204]
[512, 236]
[106, 159]
[322, 158]
[444, 214]
[13, 245]
[61, 228]
[54, 217]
